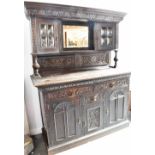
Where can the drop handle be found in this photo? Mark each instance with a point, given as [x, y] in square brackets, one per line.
[70, 93]
[93, 98]
[78, 121]
[111, 85]
[107, 111]
[83, 124]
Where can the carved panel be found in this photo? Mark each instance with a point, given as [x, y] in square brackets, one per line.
[93, 116]
[65, 116]
[96, 59]
[52, 62]
[59, 120]
[71, 121]
[72, 61]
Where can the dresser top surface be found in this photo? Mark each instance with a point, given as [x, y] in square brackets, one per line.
[78, 76]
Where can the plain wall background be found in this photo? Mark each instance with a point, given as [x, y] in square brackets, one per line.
[31, 93]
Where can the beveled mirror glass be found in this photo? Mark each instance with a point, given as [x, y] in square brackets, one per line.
[75, 36]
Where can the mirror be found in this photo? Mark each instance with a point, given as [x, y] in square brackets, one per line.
[75, 36]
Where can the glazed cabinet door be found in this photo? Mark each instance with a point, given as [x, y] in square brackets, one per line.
[117, 106]
[65, 121]
[92, 111]
[105, 36]
[47, 35]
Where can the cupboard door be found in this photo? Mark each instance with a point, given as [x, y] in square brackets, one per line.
[48, 37]
[92, 113]
[118, 106]
[105, 36]
[65, 117]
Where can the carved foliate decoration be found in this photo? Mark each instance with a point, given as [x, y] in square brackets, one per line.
[63, 61]
[77, 91]
[96, 59]
[101, 84]
[72, 92]
[70, 61]
[93, 118]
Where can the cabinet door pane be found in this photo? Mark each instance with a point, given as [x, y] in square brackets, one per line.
[71, 122]
[60, 125]
[118, 106]
[112, 110]
[121, 101]
[105, 36]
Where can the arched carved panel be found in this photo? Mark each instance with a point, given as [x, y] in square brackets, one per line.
[60, 122]
[117, 106]
[65, 120]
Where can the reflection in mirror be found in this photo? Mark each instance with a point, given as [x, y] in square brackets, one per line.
[75, 36]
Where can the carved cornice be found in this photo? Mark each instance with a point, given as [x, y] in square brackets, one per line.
[65, 11]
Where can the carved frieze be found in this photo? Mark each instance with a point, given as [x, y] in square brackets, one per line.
[62, 61]
[71, 61]
[95, 59]
[71, 92]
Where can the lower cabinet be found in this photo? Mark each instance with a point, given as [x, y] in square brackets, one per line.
[76, 111]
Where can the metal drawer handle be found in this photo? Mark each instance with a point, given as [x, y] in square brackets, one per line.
[70, 93]
[111, 85]
[93, 98]
[107, 111]
[78, 121]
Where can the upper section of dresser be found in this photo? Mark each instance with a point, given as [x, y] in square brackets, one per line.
[71, 37]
